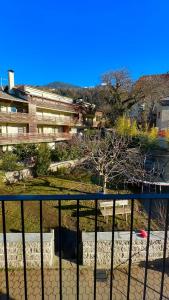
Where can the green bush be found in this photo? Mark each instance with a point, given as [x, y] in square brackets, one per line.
[25, 151]
[60, 153]
[66, 151]
[75, 151]
[43, 160]
[9, 161]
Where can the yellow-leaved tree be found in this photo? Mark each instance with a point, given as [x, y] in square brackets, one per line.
[126, 127]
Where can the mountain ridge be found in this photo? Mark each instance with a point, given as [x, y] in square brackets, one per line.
[60, 85]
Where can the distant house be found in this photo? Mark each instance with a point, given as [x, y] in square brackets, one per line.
[162, 121]
[31, 115]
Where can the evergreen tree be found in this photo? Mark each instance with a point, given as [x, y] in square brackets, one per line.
[43, 160]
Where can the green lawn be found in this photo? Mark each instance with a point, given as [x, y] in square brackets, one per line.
[52, 185]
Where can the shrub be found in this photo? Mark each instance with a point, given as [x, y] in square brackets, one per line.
[60, 153]
[74, 151]
[64, 152]
[9, 162]
[43, 160]
[124, 126]
[25, 151]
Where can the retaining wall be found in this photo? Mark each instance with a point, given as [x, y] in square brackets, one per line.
[33, 248]
[121, 248]
[15, 176]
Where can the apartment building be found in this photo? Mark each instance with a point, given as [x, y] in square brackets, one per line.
[31, 115]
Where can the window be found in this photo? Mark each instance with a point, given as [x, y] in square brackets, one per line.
[3, 108]
[21, 130]
[13, 109]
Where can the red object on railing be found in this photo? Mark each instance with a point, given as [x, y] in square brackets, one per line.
[143, 233]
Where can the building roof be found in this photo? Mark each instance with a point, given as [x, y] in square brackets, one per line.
[29, 90]
[6, 96]
[154, 76]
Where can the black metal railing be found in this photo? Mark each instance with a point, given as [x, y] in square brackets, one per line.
[96, 198]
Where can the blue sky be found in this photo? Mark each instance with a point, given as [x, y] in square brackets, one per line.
[76, 41]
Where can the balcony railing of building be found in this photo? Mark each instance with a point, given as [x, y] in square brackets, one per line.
[18, 117]
[82, 282]
[70, 121]
[33, 137]
[14, 117]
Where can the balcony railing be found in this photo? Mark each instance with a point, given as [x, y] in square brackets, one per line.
[10, 139]
[17, 117]
[69, 121]
[147, 279]
[14, 117]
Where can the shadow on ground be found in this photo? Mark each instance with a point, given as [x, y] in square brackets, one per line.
[5, 297]
[68, 244]
[156, 265]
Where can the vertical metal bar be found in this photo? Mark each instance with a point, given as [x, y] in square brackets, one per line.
[5, 249]
[112, 251]
[130, 250]
[95, 250]
[77, 249]
[147, 248]
[60, 251]
[24, 248]
[41, 246]
[164, 250]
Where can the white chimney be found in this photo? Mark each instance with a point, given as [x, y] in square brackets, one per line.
[11, 83]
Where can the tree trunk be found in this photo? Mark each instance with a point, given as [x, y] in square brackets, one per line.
[104, 186]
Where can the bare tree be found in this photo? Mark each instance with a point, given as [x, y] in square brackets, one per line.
[106, 156]
[153, 87]
[119, 79]
[161, 212]
[119, 92]
[113, 159]
[139, 167]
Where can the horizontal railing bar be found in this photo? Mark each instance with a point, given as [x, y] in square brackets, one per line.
[92, 196]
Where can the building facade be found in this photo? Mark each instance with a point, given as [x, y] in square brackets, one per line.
[31, 115]
[162, 121]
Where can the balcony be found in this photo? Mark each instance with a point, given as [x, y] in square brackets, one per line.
[141, 274]
[52, 120]
[14, 117]
[12, 139]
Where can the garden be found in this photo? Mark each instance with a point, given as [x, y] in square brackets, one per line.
[77, 180]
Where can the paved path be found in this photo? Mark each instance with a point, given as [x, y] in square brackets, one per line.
[16, 284]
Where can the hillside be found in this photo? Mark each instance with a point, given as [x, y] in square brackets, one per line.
[59, 85]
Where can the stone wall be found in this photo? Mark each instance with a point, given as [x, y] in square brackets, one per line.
[15, 176]
[33, 254]
[121, 248]
[63, 164]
